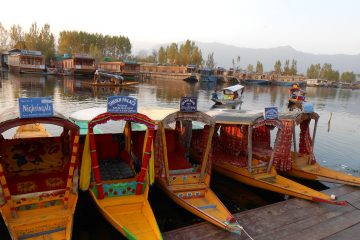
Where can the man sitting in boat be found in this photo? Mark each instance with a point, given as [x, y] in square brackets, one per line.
[215, 95]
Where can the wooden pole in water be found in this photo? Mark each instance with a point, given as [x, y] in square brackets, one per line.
[250, 130]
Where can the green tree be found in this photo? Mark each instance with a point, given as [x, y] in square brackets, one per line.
[293, 68]
[17, 38]
[4, 36]
[210, 62]
[250, 68]
[311, 72]
[162, 55]
[79, 42]
[171, 53]
[348, 77]
[287, 67]
[259, 67]
[277, 67]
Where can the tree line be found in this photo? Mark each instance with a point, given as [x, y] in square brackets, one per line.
[186, 53]
[326, 72]
[71, 42]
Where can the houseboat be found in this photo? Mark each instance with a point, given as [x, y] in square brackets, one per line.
[188, 183]
[206, 75]
[26, 61]
[186, 73]
[38, 176]
[287, 80]
[80, 64]
[241, 134]
[118, 160]
[256, 79]
[127, 69]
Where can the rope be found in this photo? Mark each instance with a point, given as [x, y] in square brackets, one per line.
[247, 234]
[243, 230]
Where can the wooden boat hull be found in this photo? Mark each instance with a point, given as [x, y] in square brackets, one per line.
[208, 206]
[112, 84]
[319, 173]
[257, 81]
[224, 102]
[131, 215]
[53, 222]
[272, 182]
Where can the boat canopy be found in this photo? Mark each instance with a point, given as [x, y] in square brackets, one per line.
[234, 88]
[242, 117]
[192, 116]
[11, 118]
[298, 117]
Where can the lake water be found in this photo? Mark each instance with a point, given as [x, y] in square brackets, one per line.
[337, 147]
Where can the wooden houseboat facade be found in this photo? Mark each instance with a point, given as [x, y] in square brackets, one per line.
[169, 72]
[126, 69]
[79, 64]
[25, 61]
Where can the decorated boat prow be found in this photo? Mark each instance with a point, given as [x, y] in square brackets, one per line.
[186, 182]
[119, 162]
[38, 173]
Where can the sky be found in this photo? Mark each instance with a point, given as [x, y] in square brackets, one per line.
[313, 26]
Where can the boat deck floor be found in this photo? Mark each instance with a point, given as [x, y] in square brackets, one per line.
[114, 169]
[291, 219]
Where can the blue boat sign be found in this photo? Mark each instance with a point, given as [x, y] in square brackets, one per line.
[121, 104]
[188, 104]
[36, 107]
[271, 113]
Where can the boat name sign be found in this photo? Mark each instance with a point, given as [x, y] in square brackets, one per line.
[188, 104]
[121, 104]
[36, 107]
[271, 113]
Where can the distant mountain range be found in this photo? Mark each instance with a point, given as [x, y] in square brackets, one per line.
[224, 54]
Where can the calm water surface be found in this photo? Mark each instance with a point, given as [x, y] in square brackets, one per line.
[337, 147]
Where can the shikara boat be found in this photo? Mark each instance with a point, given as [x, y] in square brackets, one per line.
[105, 79]
[38, 175]
[239, 135]
[229, 95]
[304, 164]
[119, 164]
[186, 183]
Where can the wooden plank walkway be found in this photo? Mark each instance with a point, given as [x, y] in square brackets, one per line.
[291, 219]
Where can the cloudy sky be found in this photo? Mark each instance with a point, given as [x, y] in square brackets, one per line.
[315, 26]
